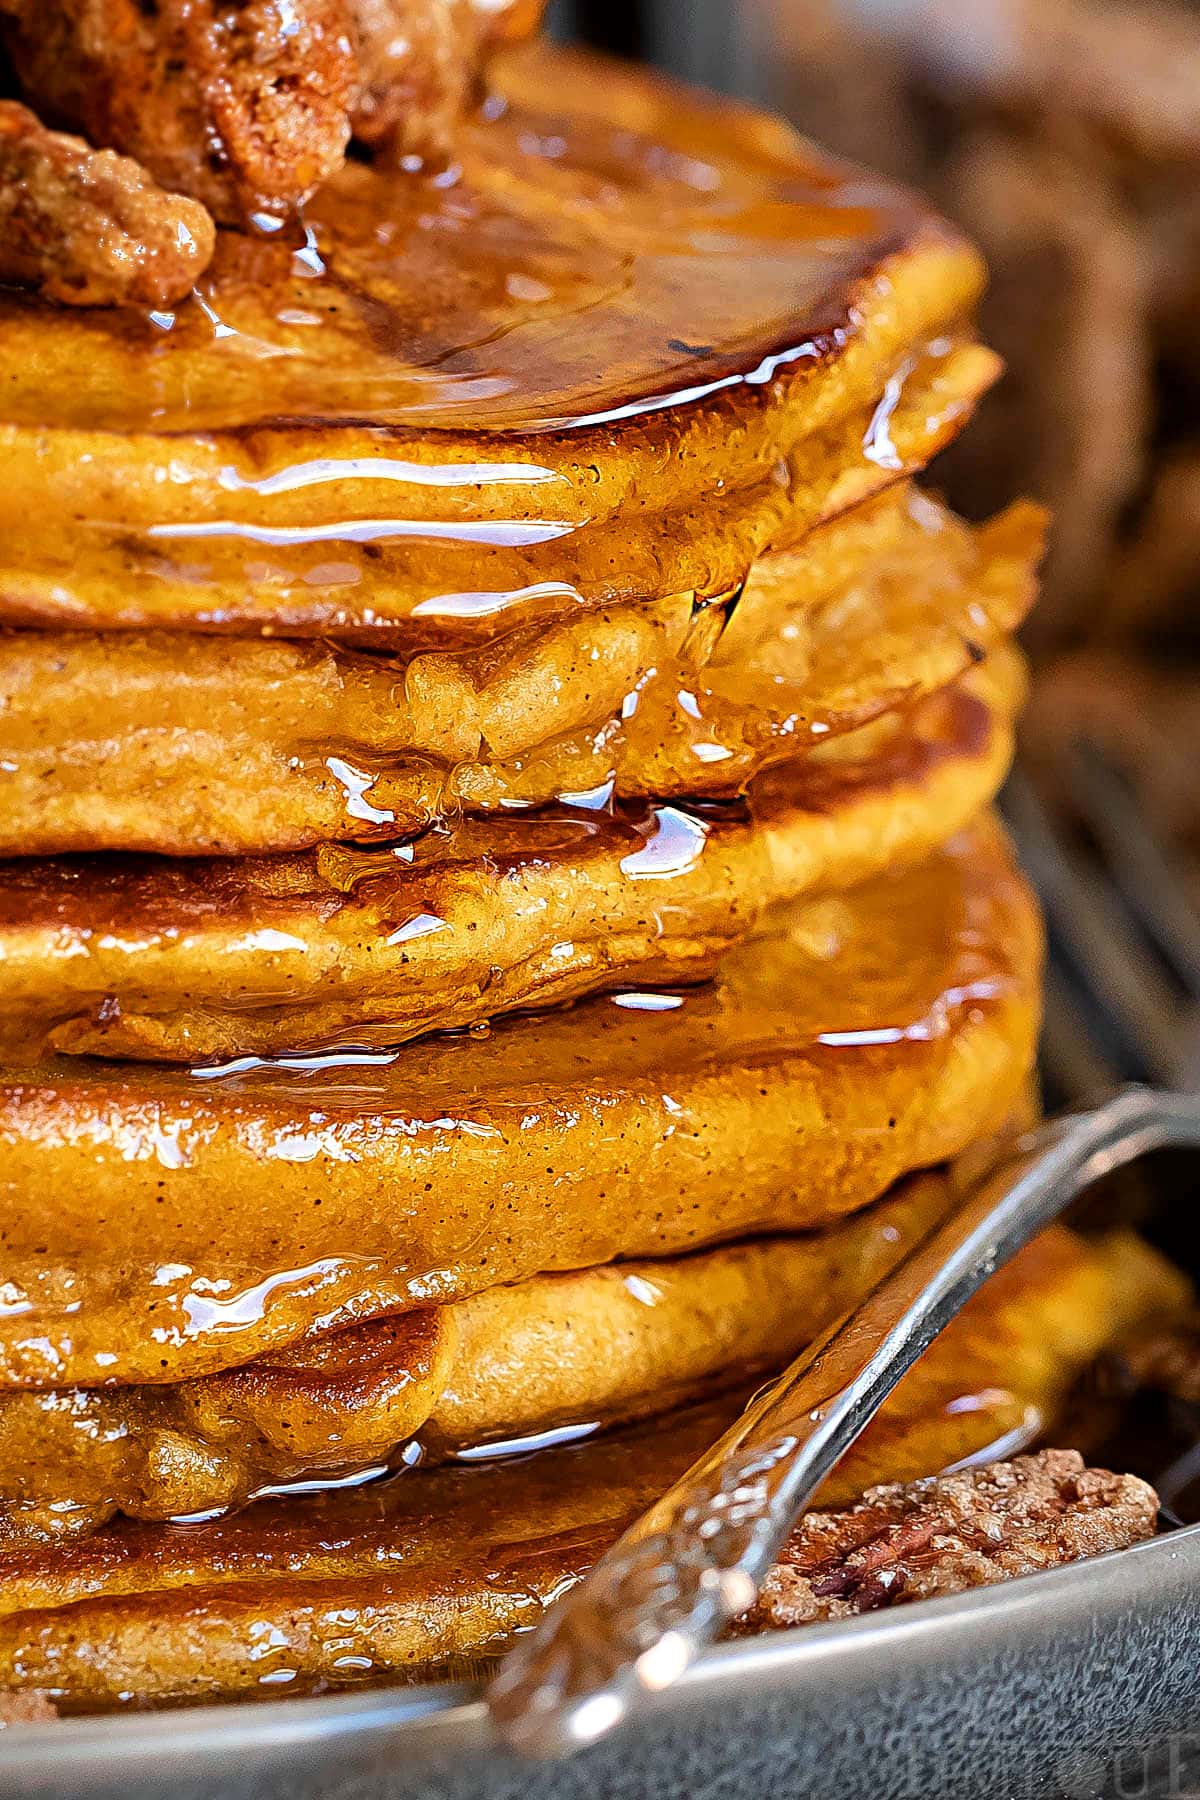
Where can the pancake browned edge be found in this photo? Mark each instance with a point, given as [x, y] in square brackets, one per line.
[410, 1575]
[200, 961]
[162, 1223]
[502, 935]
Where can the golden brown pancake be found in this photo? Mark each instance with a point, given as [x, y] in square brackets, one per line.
[199, 961]
[195, 745]
[161, 1224]
[500, 916]
[543, 1355]
[400, 1577]
[612, 356]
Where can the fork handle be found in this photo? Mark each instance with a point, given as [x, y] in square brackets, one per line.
[696, 1559]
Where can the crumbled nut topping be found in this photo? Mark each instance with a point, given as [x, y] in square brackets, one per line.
[952, 1532]
[88, 227]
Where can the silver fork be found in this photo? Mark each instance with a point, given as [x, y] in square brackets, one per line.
[696, 1559]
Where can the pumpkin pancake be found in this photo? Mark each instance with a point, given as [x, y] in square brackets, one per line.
[543, 1355]
[202, 960]
[611, 356]
[401, 1576]
[161, 1224]
[557, 1354]
[501, 934]
[188, 746]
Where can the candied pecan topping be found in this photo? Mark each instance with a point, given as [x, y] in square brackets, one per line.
[951, 1532]
[243, 104]
[89, 227]
[415, 72]
[419, 61]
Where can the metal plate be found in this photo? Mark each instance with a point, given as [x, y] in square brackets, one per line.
[1071, 1684]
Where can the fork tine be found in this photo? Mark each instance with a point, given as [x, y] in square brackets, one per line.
[1088, 919]
[1140, 866]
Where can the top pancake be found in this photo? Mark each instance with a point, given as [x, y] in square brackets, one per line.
[607, 356]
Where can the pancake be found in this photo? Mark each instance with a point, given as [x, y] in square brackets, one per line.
[195, 745]
[612, 357]
[202, 960]
[543, 1356]
[403, 1576]
[551, 1358]
[160, 1224]
[501, 932]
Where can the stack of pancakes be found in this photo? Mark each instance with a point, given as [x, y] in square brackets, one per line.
[502, 934]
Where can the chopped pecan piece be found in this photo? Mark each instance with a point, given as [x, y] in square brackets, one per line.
[419, 62]
[89, 227]
[952, 1532]
[243, 104]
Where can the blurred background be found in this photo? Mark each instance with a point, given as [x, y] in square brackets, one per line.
[1065, 135]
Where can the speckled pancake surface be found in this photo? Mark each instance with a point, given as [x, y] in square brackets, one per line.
[554, 1354]
[160, 1223]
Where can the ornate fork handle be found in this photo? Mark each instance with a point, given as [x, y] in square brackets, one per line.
[696, 1558]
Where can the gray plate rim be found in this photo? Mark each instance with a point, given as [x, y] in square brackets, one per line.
[449, 1717]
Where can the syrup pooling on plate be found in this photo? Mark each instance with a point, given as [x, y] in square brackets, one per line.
[367, 1184]
[580, 370]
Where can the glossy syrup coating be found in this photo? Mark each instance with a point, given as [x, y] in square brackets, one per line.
[398, 1577]
[552, 1356]
[200, 961]
[152, 742]
[86, 227]
[161, 1223]
[607, 357]
[465, 431]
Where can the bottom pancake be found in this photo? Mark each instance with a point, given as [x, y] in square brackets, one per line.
[400, 1577]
